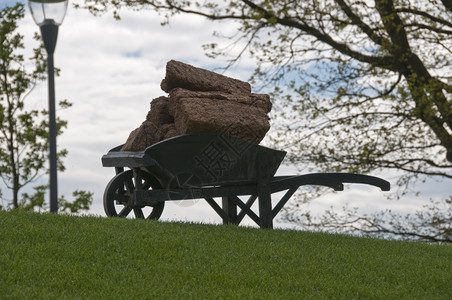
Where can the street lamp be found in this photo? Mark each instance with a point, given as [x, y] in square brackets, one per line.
[48, 15]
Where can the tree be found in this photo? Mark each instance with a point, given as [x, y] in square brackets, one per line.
[23, 132]
[432, 223]
[368, 82]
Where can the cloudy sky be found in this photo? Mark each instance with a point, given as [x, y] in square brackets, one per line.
[110, 70]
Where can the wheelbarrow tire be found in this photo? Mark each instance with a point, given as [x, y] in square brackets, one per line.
[119, 191]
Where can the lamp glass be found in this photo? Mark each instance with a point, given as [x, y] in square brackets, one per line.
[43, 10]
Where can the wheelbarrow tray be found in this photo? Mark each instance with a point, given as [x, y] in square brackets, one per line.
[207, 159]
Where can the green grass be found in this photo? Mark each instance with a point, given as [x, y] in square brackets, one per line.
[54, 257]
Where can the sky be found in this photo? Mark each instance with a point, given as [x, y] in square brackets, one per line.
[111, 70]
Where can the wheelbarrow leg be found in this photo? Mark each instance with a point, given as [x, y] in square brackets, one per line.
[265, 206]
[230, 208]
[264, 193]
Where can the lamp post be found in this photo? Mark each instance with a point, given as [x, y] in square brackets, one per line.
[48, 15]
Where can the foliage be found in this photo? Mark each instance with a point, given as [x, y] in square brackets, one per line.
[55, 256]
[368, 83]
[82, 201]
[433, 223]
[36, 201]
[23, 132]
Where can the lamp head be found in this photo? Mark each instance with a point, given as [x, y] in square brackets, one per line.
[48, 10]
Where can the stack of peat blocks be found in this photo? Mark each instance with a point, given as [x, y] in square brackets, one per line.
[201, 101]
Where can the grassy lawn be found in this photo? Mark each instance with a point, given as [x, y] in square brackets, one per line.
[54, 256]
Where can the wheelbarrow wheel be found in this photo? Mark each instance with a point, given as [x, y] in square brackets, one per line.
[120, 190]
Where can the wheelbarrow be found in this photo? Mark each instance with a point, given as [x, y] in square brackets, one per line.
[222, 170]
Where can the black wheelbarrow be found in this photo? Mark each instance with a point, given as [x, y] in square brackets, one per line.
[207, 166]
